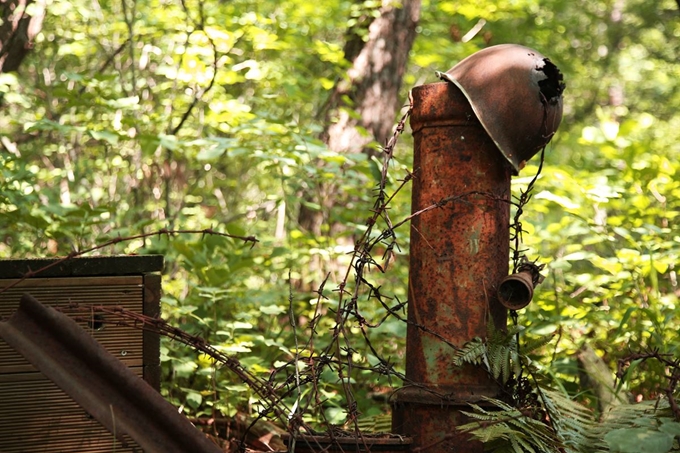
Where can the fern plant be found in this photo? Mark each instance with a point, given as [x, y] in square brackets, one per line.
[497, 354]
[508, 429]
[538, 419]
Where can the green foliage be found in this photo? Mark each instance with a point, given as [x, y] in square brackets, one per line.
[135, 116]
[498, 353]
[572, 428]
[541, 419]
[507, 429]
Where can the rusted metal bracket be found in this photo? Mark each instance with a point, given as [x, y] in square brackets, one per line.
[108, 390]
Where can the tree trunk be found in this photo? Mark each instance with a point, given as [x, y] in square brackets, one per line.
[378, 66]
[378, 48]
[18, 28]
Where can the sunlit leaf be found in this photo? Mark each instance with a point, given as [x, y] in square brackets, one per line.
[635, 440]
[110, 137]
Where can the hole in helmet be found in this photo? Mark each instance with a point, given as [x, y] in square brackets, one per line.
[552, 86]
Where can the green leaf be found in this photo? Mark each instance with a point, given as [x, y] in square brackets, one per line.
[636, 440]
[47, 125]
[560, 200]
[210, 153]
[670, 427]
[240, 325]
[194, 399]
[215, 148]
[110, 137]
[336, 415]
[124, 103]
[272, 309]
[168, 141]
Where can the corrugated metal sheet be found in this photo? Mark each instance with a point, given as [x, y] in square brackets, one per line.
[125, 343]
[37, 417]
[101, 384]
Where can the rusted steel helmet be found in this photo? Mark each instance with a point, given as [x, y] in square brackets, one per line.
[517, 95]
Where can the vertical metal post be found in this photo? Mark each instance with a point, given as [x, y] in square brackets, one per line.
[459, 255]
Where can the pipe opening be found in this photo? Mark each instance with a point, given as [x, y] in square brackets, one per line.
[516, 290]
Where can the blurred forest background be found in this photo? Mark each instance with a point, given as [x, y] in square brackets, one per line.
[266, 119]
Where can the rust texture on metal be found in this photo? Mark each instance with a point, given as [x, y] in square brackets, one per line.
[516, 290]
[459, 255]
[434, 428]
[516, 93]
[107, 389]
[459, 252]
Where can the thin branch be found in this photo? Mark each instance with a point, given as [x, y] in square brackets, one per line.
[118, 240]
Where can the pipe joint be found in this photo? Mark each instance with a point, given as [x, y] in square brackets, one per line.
[517, 290]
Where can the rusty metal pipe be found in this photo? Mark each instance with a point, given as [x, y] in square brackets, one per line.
[516, 290]
[459, 255]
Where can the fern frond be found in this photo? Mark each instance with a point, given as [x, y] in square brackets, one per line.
[380, 423]
[646, 414]
[534, 344]
[506, 426]
[573, 423]
[498, 354]
[500, 357]
[627, 415]
[516, 446]
[472, 352]
[562, 425]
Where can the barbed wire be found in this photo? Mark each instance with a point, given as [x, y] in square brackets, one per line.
[287, 381]
[120, 239]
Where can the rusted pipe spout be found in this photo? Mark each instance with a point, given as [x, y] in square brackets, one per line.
[516, 290]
